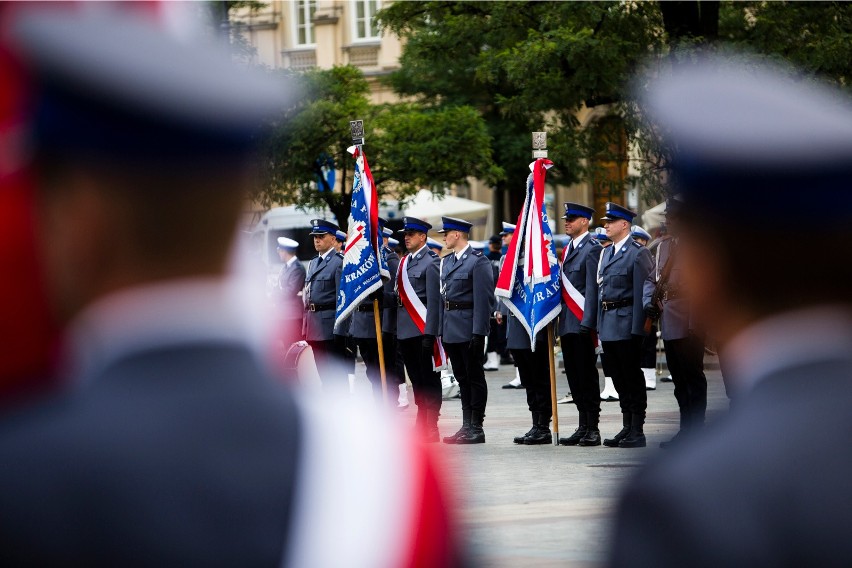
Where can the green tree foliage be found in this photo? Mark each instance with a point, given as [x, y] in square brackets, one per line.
[524, 65]
[409, 145]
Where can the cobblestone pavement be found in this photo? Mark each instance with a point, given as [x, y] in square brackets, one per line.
[543, 506]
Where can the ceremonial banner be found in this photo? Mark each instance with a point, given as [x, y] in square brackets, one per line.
[363, 269]
[529, 280]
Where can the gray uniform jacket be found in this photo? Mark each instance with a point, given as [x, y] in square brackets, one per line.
[622, 278]
[173, 455]
[422, 271]
[675, 321]
[468, 280]
[364, 323]
[581, 269]
[518, 338]
[291, 281]
[781, 500]
[321, 286]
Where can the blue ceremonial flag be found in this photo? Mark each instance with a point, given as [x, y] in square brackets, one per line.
[529, 282]
[362, 269]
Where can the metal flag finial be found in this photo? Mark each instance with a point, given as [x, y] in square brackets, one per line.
[356, 129]
[539, 144]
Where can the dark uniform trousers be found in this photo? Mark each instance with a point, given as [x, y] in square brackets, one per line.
[685, 359]
[649, 350]
[534, 370]
[467, 367]
[369, 349]
[623, 357]
[578, 355]
[606, 366]
[425, 382]
[497, 337]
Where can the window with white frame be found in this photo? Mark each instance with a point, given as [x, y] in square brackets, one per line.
[303, 27]
[364, 26]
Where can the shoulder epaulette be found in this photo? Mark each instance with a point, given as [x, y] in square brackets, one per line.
[637, 245]
[433, 254]
[476, 252]
[339, 255]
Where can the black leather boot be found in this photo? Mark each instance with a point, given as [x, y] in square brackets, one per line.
[614, 441]
[475, 434]
[636, 437]
[520, 439]
[542, 435]
[430, 425]
[578, 434]
[593, 434]
[463, 430]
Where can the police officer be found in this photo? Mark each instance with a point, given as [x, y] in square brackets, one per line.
[578, 321]
[649, 345]
[467, 285]
[683, 344]
[418, 290]
[502, 312]
[320, 295]
[291, 281]
[497, 335]
[363, 329]
[394, 366]
[533, 368]
[623, 268]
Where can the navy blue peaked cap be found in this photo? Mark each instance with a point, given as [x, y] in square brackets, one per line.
[414, 224]
[577, 210]
[322, 227]
[453, 224]
[754, 137]
[614, 212]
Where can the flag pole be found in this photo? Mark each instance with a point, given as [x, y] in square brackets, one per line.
[356, 130]
[539, 144]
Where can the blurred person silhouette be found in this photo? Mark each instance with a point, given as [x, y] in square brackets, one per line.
[173, 443]
[291, 280]
[768, 484]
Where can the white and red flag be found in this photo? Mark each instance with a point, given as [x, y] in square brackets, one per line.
[529, 279]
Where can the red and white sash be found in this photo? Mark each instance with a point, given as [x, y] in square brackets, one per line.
[572, 297]
[417, 311]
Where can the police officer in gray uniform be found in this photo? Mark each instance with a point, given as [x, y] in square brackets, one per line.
[320, 295]
[577, 324]
[363, 331]
[534, 370]
[683, 343]
[623, 269]
[394, 366]
[419, 269]
[467, 287]
[291, 281]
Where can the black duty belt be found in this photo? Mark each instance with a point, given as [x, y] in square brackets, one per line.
[399, 301]
[607, 306]
[367, 307]
[457, 305]
[319, 307]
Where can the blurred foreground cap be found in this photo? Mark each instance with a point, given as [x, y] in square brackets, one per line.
[113, 86]
[750, 137]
